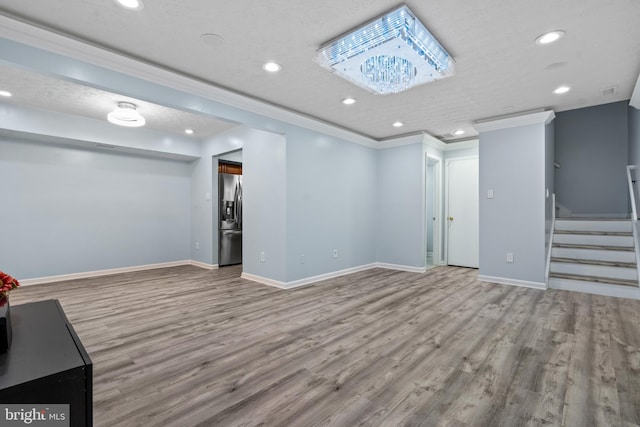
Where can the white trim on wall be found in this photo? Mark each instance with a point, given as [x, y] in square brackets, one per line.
[398, 267]
[204, 265]
[514, 121]
[315, 279]
[513, 282]
[98, 273]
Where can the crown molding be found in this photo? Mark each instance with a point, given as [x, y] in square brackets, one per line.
[400, 141]
[62, 44]
[542, 117]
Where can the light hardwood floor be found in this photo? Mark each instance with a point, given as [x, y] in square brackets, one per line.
[184, 346]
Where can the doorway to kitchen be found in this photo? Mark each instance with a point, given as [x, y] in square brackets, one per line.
[228, 224]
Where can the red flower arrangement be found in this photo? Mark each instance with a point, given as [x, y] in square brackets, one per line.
[7, 283]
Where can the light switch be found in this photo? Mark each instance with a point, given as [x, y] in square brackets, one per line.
[490, 194]
[207, 196]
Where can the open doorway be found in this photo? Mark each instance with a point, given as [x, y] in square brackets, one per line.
[228, 224]
[433, 210]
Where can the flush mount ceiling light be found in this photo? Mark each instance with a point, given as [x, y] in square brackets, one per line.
[457, 132]
[562, 89]
[130, 4]
[6, 93]
[398, 124]
[126, 115]
[389, 54]
[188, 131]
[550, 37]
[349, 101]
[272, 67]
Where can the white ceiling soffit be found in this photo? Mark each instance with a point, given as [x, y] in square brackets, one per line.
[499, 68]
[44, 39]
[542, 117]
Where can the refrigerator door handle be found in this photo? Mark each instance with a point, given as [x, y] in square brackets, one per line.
[235, 202]
[231, 231]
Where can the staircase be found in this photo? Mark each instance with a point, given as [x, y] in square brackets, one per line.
[595, 256]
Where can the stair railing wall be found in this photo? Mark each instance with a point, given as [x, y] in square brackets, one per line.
[553, 226]
[634, 213]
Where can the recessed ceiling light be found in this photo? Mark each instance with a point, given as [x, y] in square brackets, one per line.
[5, 93]
[272, 67]
[188, 131]
[562, 89]
[457, 132]
[550, 37]
[130, 4]
[398, 124]
[349, 101]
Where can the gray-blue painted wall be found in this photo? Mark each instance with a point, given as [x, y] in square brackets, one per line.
[401, 206]
[592, 148]
[331, 204]
[512, 163]
[67, 210]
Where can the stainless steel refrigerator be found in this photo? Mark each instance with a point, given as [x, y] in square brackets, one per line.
[230, 226]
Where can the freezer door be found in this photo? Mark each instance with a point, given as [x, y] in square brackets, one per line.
[229, 247]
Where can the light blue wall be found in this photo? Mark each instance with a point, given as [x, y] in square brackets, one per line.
[67, 210]
[512, 163]
[264, 211]
[331, 202]
[401, 206]
[204, 181]
[591, 146]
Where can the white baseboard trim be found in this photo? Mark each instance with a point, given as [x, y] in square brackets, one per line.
[264, 281]
[407, 268]
[314, 279]
[204, 265]
[97, 273]
[252, 277]
[513, 282]
[308, 280]
[327, 276]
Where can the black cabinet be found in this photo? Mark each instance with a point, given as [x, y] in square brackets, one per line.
[47, 363]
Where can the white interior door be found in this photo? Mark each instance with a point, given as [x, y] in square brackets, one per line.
[463, 216]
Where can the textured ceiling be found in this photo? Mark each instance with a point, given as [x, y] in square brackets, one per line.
[499, 69]
[44, 92]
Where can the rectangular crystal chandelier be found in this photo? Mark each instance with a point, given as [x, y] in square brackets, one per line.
[389, 54]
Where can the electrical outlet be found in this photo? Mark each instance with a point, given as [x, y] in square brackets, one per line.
[509, 257]
[490, 194]
[302, 259]
[262, 256]
[197, 245]
[335, 253]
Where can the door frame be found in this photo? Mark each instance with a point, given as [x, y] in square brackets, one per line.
[437, 224]
[446, 202]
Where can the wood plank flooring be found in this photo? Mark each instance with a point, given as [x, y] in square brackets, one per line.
[185, 346]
